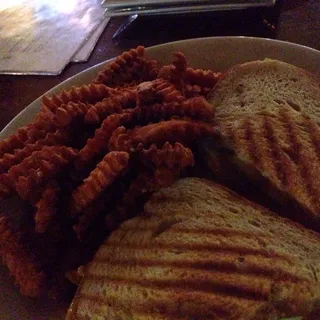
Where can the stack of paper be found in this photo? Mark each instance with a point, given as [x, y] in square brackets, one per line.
[43, 36]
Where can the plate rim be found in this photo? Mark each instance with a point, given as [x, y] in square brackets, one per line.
[4, 133]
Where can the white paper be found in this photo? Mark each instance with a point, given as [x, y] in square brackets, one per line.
[41, 36]
[87, 47]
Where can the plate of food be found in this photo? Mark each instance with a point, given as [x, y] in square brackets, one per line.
[173, 182]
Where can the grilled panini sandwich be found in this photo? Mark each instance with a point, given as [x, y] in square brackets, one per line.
[269, 115]
[200, 251]
[266, 86]
[278, 153]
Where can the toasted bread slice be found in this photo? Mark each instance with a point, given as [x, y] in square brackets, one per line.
[280, 153]
[267, 86]
[202, 252]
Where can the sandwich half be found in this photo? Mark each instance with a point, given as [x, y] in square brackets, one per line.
[268, 113]
[277, 153]
[266, 86]
[200, 251]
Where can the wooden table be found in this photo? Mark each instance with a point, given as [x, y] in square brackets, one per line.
[294, 20]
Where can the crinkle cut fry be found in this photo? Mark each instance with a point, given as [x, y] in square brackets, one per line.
[167, 92]
[196, 108]
[158, 90]
[129, 73]
[86, 93]
[120, 140]
[71, 112]
[15, 141]
[20, 261]
[56, 155]
[38, 168]
[41, 126]
[179, 73]
[192, 90]
[118, 64]
[122, 99]
[46, 207]
[183, 131]
[196, 91]
[6, 186]
[112, 166]
[175, 72]
[150, 70]
[8, 160]
[30, 133]
[99, 142]
[180, 63]
[171, 156]
[203, 78]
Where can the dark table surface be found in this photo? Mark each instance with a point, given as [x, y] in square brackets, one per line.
[292, 20]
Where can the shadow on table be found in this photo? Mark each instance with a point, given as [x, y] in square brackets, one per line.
[261, 22]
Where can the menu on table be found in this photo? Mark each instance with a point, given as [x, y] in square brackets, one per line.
[43, 36]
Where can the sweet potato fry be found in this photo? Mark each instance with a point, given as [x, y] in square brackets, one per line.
[10, 159]
[38, 168]
[171, 156]
[86, 93]
[99, 143]
[158, 90]
[20, 261]
[183, 131]
[112, 166]
[71, 112]
[46, 207]
[122, 99]
[113, 70]
[203, 78]
[120, 140]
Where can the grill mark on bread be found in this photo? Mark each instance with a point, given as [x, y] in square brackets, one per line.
[301, 166]
[227, 231]
[251, 143]
[237, 267]
[314, 133]
[273, 145]
[186, 285]
[198, 247]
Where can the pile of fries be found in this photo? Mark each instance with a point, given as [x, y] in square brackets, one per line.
[91, 156]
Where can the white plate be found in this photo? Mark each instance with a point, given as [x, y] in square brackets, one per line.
[209, 53]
